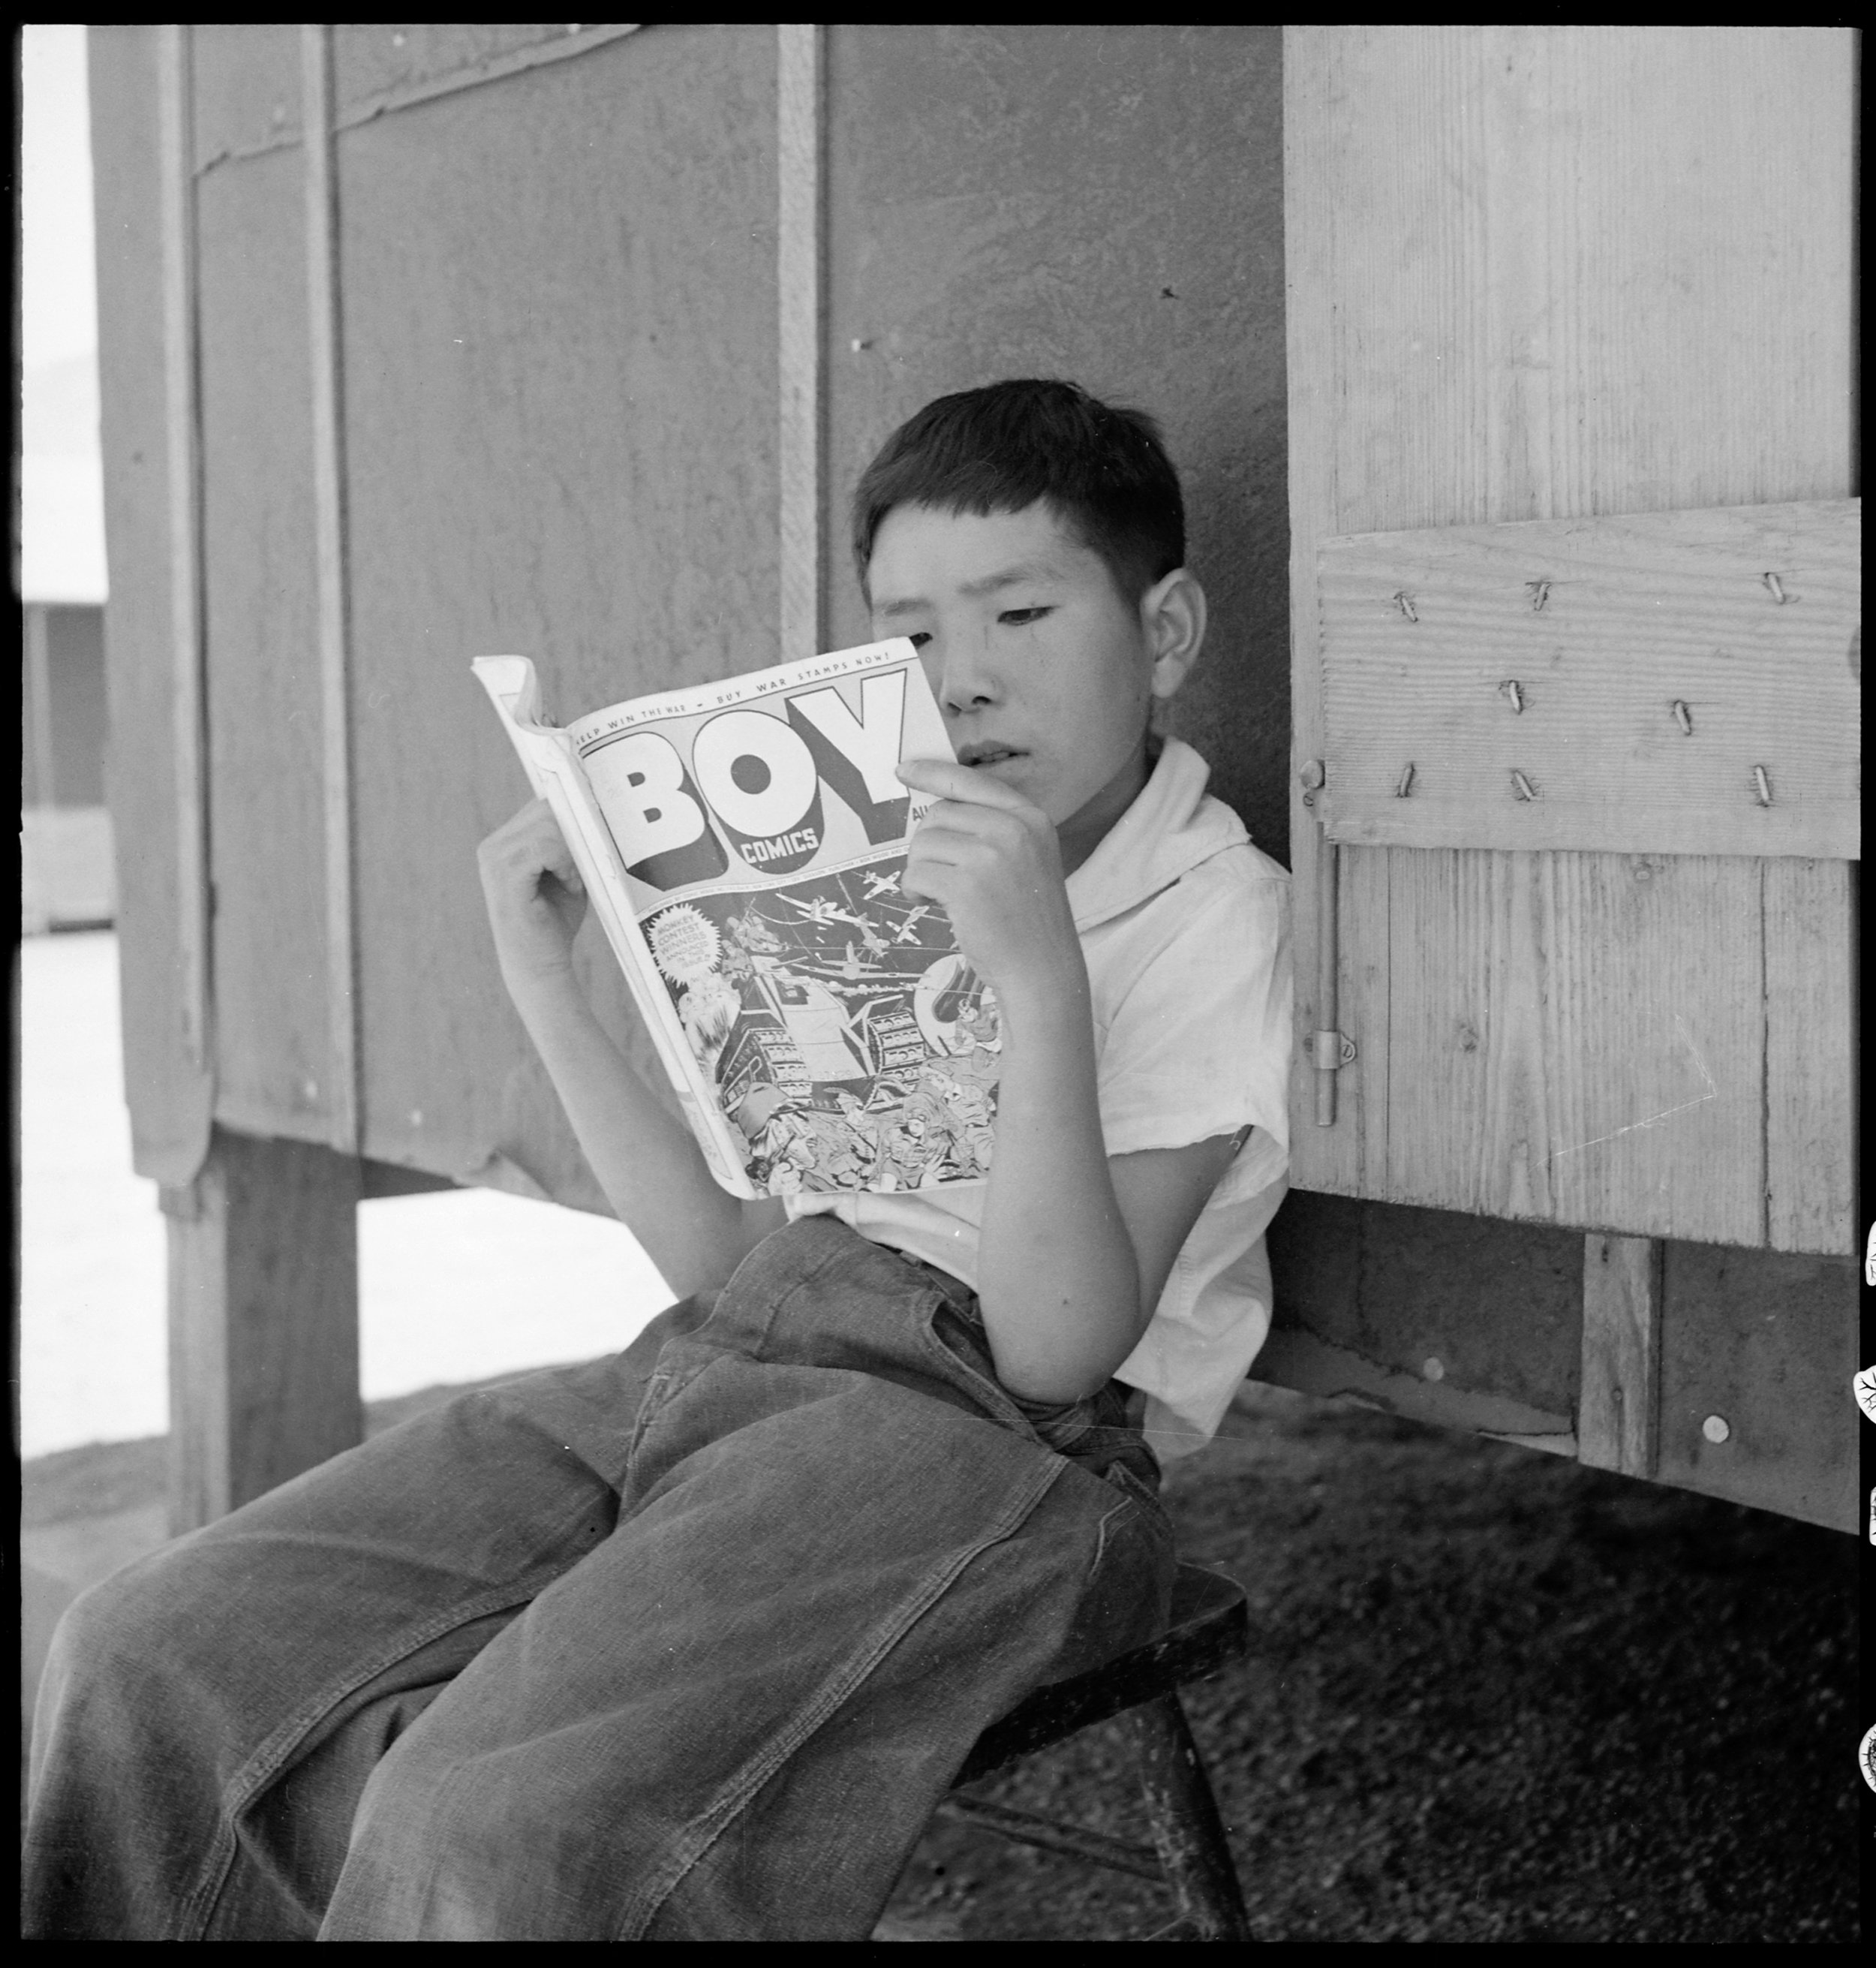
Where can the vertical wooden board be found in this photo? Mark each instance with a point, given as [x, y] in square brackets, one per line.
[1595, 1058]
[560, 413]
[1654, 1040]
[265, 722]
[1488, 324]
[1618, 1410]
[169, 1097]
[1766, 1343]
[1810, 1056]
[1103, 204]
[1363, 1088]
[1520, 331]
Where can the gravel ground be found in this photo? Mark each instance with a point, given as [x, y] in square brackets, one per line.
[1492, 1696]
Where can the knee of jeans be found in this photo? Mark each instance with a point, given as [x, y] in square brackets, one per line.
[142, 1622]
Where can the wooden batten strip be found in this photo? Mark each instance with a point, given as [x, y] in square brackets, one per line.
[182, 431]
[1669, 683]
[1619, 1407]
[324, 329]
[799, 283]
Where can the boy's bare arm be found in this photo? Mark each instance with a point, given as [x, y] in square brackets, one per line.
[652, 1172]
[1074, 1248]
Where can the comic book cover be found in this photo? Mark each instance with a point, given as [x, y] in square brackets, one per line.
[748, 843]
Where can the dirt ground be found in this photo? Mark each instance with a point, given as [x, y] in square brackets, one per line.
[1491, 1696]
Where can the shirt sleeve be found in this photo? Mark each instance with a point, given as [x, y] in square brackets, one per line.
[1200, 1044]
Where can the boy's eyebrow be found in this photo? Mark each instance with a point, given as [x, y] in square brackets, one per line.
[1008, 576]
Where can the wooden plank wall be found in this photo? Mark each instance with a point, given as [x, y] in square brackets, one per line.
[1536, 273]
[546, 416]
[532, 385]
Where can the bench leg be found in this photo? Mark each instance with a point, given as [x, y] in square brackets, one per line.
[1186, 1827]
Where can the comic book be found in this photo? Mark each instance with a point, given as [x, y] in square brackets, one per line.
[742, 844]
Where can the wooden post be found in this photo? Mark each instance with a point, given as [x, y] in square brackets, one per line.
[264, 1321]
[1619, 1409]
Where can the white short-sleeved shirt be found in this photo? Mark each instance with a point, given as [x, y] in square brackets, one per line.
[1184, 927]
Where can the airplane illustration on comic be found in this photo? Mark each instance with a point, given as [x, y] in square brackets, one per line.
[848, 1040]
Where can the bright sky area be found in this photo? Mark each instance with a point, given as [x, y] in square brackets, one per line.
[454, 1286]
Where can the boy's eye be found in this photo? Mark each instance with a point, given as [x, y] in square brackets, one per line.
[1020, 618]
[919, 638]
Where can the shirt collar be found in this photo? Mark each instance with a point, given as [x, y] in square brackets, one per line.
[1173, 825]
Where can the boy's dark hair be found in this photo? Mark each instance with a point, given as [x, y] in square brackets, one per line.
[1000, 449]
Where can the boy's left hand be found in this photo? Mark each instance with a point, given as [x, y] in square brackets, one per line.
[993, 860]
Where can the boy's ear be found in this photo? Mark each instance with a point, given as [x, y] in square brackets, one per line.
[1173, 613]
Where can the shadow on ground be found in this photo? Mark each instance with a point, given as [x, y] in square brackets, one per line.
[1492, 1696]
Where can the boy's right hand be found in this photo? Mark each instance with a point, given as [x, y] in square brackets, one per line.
[535, 898]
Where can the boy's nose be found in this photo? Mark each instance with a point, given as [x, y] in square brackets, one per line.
[965, 681]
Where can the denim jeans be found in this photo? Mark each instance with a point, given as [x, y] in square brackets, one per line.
[684, 1644]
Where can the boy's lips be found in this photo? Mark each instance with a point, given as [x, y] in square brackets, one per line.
[986, 753]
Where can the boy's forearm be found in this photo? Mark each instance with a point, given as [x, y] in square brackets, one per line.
[652, 1172]
[1058, 1277]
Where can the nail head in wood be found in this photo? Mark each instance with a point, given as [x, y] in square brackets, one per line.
[1683, 717]
[1406, 784]
[1512, 692]
[1405, 603]
[1762, 784]
[1521, 787]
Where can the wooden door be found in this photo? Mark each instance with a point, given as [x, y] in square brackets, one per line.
[1575, 739]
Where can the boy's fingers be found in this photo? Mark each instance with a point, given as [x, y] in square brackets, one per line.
[950, 780]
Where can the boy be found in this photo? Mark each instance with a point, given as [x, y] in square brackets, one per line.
[687, 1644]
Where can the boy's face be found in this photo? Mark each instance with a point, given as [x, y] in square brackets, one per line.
[1046, 674]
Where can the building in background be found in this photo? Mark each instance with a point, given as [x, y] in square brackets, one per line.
[67, 874]
[65, 839]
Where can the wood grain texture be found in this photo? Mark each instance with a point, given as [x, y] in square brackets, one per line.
[1809, 918]
[1598, 1061]
[263, 1321]
[1618, 1408]
[1635, 673]
[800, 288]
[170, 1088]
[1364, 1087]
[1487, 325]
